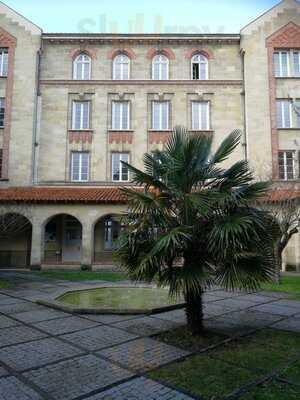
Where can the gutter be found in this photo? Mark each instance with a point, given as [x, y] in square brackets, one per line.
[245, 130]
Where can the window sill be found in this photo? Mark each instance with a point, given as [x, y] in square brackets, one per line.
[201, 130]
[80, 130]
[288, 129]
[160, 130]
[287, 77]
[121, 130]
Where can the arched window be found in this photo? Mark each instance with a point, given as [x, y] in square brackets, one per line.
[82, 67]
[160, 67]
[199, 67]
[121, 67]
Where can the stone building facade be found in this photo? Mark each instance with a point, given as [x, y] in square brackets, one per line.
[72, 106]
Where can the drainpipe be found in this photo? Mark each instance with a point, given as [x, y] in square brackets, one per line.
[36, 120]
[245, 133]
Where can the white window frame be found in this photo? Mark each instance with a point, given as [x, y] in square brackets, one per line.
[4, 73]
[282, 101]
[122, 67]
[81, 128]
[160, 63]
[121, 128]
[121, 166]
[75, 67]
[160, 119]
[293, 53]
[199, 63]
[80, 153]
[208, 125]
[285, 164]
[280, 53]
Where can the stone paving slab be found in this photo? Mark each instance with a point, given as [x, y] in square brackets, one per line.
[39, 315]
[289, 303]
[214, 310]
[19, 334]
[6, 322]
[3, 372]
[19, 307]
[254, 319]
[256, 298]
[13, 389]
[147, 326]
[109, 318]
[143, 354]
[80, 376]
[237, 303]
[140, 389]
[9, 300]
[291, 324]
[226, 327]
[34, 354]
[173, 316]
[273, 308]
[60, 326]
[99, 337]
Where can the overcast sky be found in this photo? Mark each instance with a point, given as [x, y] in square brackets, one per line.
[131, 16]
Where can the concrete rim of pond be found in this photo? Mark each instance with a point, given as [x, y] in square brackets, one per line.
[58, 305]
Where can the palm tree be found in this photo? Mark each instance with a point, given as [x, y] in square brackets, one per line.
[191, 225]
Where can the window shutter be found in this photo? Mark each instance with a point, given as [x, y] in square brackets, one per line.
[125, 115]
[75, 166]
[195, 116]
[85, 115]
[165, 115]
[297, 64]
[115, 166]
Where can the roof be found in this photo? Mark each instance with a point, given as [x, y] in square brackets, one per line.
[20, 19]
[107, 195]
[142, 36]
[281, 195]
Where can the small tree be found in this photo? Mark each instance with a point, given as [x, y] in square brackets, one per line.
[192, 223]
[13, 221]
[286, 213]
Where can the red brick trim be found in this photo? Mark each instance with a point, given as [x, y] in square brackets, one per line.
[120, 137]
[76, 52]
[10, 42]
[286, 37]
[115, 52]
[205, 52]
[169, 53]
[80, 137]
[159, 137]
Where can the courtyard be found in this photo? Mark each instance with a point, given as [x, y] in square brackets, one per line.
[251, 352]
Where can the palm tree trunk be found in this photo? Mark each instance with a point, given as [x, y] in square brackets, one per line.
[194, 312]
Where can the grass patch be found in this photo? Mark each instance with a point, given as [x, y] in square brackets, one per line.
[288, 284]
[4, 284]
[292, 373]
[83, 276]
[227, 368]
[273, 391]
[203, 376]
[181, 337]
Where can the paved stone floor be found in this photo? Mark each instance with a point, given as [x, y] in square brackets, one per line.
[47, 354]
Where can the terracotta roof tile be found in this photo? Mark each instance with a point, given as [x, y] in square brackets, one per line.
[111, 195]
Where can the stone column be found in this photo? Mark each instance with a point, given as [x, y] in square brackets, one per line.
[87, 244]
[37, 244]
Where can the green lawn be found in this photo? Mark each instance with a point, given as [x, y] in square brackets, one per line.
[288, 284]
[83, 276]
[4, 284]
[236, 367]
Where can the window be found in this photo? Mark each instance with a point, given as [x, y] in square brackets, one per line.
[80, 166]
[160, 115]
[286, 161]
[1, 161]
[3, 62]
[121, 67]
[2, 112]
[120, 115]
[81, 115]
[284, 114]
[82, 67]
[200, 115]
[296, 60]
[160, 67]
[282, 63]
[297, 112]
[120, 171]
[199, 67]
